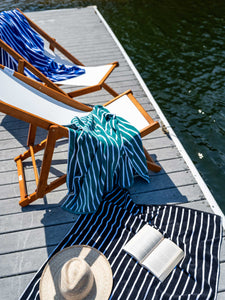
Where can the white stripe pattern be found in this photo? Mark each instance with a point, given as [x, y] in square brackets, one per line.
[101, 156]
[113, 224]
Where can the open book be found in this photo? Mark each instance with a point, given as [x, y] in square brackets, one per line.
[156, 253]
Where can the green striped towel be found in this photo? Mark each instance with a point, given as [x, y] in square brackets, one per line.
[104, 151]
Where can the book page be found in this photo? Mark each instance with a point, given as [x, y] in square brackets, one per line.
[163, 259]
[144, 241]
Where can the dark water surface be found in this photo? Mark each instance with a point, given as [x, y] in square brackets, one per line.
[179, 49]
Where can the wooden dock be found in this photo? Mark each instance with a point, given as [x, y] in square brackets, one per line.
[28, 235]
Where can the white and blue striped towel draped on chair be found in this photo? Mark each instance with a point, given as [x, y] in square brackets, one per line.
[198, 233]
[18, 34]
[104, 151]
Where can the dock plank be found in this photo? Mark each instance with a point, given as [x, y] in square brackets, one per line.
[23, 262]
[14, 242]
[221, 296]
[12, 287]
[28, 220]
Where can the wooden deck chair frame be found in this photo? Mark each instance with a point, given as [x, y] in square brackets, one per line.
[55, 132]
[23, 63]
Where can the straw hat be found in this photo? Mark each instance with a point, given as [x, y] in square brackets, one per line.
[79, 272]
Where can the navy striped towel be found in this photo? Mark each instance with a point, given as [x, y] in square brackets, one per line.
[17, 33]
[198, 233]
[104, 151]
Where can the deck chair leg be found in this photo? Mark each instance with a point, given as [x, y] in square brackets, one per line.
[110, 90]
[47, 159]
[21, 177]
[42, 185]
[31, 135]
[150, 162]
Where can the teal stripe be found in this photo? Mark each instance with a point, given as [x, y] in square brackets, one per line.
[104, 151]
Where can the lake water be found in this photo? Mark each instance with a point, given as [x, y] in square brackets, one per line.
[178, 48]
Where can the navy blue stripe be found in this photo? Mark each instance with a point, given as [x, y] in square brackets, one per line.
[112, 225]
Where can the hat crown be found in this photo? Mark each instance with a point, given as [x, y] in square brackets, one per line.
[76, 279]
[74, 272]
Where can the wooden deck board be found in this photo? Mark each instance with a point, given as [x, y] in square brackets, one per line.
[28, 235]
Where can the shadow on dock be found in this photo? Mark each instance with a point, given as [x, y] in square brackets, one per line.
[56, 222]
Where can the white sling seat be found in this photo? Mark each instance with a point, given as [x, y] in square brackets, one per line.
[91, 77]
[44, 106]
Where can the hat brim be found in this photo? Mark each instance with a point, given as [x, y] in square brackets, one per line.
[96, 260]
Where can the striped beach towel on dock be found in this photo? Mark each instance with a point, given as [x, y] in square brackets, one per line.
[18, 34]
[104, 151]
[198, 233]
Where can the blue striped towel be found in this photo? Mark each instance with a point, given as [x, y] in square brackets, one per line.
[104, 152]
[118, 218]
[17, 33]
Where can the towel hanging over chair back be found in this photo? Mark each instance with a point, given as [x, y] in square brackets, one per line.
[18, 34]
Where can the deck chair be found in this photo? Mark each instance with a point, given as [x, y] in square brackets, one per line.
[30, 101]
[92, 80]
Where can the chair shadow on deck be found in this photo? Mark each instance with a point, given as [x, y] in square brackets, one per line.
[19, 130]
[57, 222]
